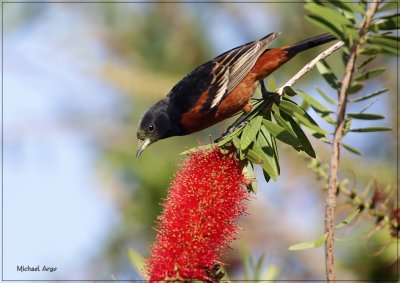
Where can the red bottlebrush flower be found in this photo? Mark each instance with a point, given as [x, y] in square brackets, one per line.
[199, 219]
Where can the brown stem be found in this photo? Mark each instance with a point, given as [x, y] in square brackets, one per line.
[334, 164]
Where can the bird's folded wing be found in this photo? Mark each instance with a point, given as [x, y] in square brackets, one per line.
[232, 66]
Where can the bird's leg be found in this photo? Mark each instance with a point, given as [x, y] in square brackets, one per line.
[265, 93]
[268, 99]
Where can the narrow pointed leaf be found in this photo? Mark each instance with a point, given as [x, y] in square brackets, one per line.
[388, 6]
[266, 163]
[348, 219]
[351, 149]
[281, 133]
[326, 97]
[330, 15]
[250, 132]
[236, 142]
[267, 153]
[327, 74]
[370, 74]
[390, 22]
[254, 156]
[309, 245]
[137, 260]
[370, 50]
[282, 121]
[388, 44]
[349, 6]
[368, 60]
[324, 24]
[371, 129]
[370, 95]
[365, 116]
[306, 145]
[315, 103]
[289, 91]
[296, 111]
[268, 145]
[355, 87]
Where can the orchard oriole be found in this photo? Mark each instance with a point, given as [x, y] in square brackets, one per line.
[217, 89]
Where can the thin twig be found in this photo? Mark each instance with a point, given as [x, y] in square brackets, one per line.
[334, 165]
[310, 65]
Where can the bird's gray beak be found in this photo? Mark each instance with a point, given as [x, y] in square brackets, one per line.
[142, 144]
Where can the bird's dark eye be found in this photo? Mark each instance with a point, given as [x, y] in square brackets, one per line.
[151, 128]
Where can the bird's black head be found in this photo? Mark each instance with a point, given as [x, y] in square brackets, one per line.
[157, 123]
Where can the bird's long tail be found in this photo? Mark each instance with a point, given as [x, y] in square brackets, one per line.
[310, 43]
[273, 58]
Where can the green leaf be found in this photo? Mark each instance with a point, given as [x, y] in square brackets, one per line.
[370, 95]
[281, 133]
[306, 145]
[331, 16]
[254, 156]
[268, 143]
[392, 5]
[390, 22]
[309, 245]
[236, 142]
[370, 74]
[321, 138]
[324, 24]
[315, 104]
[281, 121]
[250, 132]
[296, 111]
[371, 129]
[351, 149]
[289, 91]
[137, 260]
[327, 74]
[326, 97]
[349, 6]
[236, 132]
[368, 60]
[388, 44]
[264, 148]
[275, 148]
[365, 116]
[354, 87]
[370, 50]
[322, 110]
[348, 219]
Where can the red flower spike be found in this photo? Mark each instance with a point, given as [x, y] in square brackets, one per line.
[199, 219]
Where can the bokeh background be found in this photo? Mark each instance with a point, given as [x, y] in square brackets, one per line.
[76, 79]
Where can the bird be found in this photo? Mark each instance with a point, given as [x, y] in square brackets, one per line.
[217, 89]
